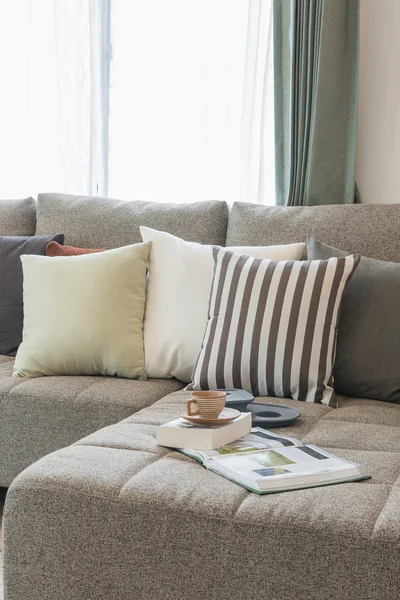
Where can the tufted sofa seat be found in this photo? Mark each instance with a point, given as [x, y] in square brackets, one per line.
[133, 520]
[38, 416]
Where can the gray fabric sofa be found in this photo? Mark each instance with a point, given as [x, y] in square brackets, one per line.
[39, 416]
[115, 516]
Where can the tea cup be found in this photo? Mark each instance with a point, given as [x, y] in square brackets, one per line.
[209, 404]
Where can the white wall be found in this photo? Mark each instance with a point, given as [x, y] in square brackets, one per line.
[378, 146]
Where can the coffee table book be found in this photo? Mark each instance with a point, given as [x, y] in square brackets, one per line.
[265, 462]
[181, 434]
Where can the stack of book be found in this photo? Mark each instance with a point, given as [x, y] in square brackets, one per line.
[182, 434]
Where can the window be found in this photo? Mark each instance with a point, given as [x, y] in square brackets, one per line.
[155, 100]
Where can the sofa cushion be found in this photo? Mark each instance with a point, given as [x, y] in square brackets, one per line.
[368, 341]
[272, 326]
[178, 295]
[90, 222]
[38, 416]
[117, 504]
[18, 217]
[12, 248]
[370, 230]
[83, 315]
[55, 249]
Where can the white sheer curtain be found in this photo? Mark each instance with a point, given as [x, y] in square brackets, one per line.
[45, 96]
[257, 183]
[154, 100]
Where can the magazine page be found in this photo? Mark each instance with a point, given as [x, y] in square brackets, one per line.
[306, 463]
[258, 439]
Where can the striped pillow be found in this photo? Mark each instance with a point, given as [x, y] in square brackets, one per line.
[272, 326]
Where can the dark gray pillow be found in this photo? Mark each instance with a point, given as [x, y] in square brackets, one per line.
[368, 344]
[11, 299]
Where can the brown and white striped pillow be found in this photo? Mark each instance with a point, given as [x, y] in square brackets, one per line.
[272, 326]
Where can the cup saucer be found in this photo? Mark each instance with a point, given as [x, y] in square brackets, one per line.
[226, 416]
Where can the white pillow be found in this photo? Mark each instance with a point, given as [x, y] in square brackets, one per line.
[178, 294]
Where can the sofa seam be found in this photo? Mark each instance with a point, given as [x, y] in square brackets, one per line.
[117, 499]
[44, 400]
[141, 471]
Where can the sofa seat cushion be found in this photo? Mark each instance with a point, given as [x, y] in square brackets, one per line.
[4, 359]
[40, 415]
[149, 514]
[366, 431]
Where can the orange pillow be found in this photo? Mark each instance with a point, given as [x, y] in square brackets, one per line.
[56, 249]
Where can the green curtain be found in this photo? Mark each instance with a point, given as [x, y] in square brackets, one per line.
[316, 46]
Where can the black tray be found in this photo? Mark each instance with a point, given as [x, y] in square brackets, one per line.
[272, 415]
[238, 399]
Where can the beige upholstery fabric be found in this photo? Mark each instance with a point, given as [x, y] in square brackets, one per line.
[92, 222]
[4, 359]
[40, 415]
[18, 217]
[116, 516]
[368, 229]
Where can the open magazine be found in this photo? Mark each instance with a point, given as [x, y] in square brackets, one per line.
[264, 462]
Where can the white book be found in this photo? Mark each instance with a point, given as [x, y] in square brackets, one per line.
[182, 434]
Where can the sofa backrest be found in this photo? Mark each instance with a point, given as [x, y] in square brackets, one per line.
[371, 230]
[93, 222]
[18, 217]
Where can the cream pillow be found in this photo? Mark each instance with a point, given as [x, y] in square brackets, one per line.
[178, 294]
[83, 315]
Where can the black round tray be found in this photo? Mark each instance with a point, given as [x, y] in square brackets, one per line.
[272, 415]
[238, 399]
